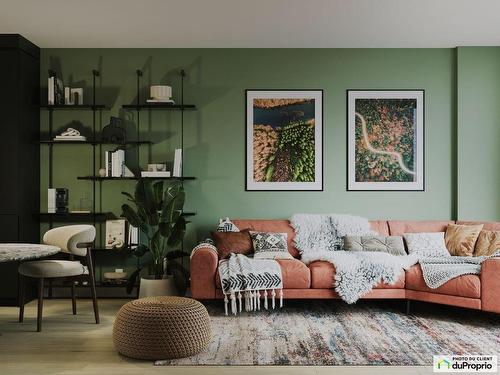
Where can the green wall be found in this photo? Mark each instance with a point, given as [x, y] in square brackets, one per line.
[478, 114]
[214, 139]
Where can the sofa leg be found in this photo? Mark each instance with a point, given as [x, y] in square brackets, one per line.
[408, 305]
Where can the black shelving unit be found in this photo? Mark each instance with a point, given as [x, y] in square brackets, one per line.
[96, 216]
[93, 216]
[139, 106]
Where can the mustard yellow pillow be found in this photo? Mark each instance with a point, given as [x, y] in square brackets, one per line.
[488, 243]
[461, 239]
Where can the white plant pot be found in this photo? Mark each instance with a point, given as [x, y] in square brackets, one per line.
[151, 287]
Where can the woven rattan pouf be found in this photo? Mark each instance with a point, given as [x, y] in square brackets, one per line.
[162, 327]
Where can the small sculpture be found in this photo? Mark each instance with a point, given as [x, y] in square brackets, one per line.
[114, 132]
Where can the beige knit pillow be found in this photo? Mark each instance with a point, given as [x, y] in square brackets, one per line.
[488, 243]
[461, 239]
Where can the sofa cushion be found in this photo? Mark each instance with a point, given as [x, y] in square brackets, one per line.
[295, 274]
[400, 227]
[462, 286]
[232, 242]
[277, 226]
[487, 243]
[322, 277]
[386, 244]
[487, 225]
[461, 239]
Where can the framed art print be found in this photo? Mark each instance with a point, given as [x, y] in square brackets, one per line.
[385, 140]
[284, 140]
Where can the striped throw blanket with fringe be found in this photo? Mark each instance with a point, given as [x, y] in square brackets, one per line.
[249, 283]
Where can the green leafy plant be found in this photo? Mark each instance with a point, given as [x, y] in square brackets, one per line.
[157, 211]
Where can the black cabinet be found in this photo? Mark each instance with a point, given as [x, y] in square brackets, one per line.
[19, 151]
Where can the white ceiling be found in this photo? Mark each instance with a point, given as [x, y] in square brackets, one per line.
[253, 23]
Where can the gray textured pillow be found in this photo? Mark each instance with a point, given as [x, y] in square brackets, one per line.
[270, 245]
[391, 244]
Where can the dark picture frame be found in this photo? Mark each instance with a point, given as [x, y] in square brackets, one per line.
[399, 113]
[269, 113]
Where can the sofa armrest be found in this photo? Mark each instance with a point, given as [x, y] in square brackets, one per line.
[490, 285]
[204, 262]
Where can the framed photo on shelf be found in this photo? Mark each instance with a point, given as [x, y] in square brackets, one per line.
[284, 140]
[385, 140]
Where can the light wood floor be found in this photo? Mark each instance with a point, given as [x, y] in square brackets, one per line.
[75, 345]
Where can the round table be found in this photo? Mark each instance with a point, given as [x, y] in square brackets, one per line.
[13, 252]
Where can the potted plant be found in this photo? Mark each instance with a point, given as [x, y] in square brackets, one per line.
[157, 212]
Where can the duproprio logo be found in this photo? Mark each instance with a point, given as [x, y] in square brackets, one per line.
[443, 364]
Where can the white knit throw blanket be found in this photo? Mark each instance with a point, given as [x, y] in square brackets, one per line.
[357, 272]
[248, 281]
[325, 232]
[439, 270]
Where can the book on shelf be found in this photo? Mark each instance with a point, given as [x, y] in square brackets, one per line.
[177, 172]
[155, 174]
[133, 236]
[114, 163]
[117, 163]
[55, 91]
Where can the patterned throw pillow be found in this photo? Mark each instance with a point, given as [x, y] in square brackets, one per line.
[270, 245]
[426, 244]
[488, 243]
[387, 244]
[227, 225]
[461, 239]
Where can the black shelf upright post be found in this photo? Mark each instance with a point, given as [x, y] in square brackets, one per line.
[52, 73]
[95, 74]
[138, 112]
[183, 74]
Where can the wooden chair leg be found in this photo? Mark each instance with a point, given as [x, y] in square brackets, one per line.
[90, 266]
[22, 293]
[73, 296]
[40, 305]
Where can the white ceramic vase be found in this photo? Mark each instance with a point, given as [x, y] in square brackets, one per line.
[151, 287]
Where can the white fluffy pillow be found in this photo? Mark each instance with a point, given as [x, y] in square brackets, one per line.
[426, 244]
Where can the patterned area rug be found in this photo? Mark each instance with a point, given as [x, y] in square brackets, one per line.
[332, 333]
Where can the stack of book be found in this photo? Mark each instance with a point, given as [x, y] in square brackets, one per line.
[114, 162]
[55, 91]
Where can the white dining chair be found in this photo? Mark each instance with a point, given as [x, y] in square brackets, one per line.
[76, 240]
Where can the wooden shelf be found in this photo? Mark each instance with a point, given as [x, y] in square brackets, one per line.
[81, 107]
[73, 217]
[99, 178]
[164, 106]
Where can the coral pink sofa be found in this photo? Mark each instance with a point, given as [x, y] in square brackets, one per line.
[315, 281]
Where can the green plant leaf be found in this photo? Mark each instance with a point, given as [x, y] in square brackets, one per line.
[158, 193]
[181, 276]
[132, 280]
[132, 217]
[140, 250]
[129, 196]
[165, 229]
[172, 209]
[144, 196]
[177, 233]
